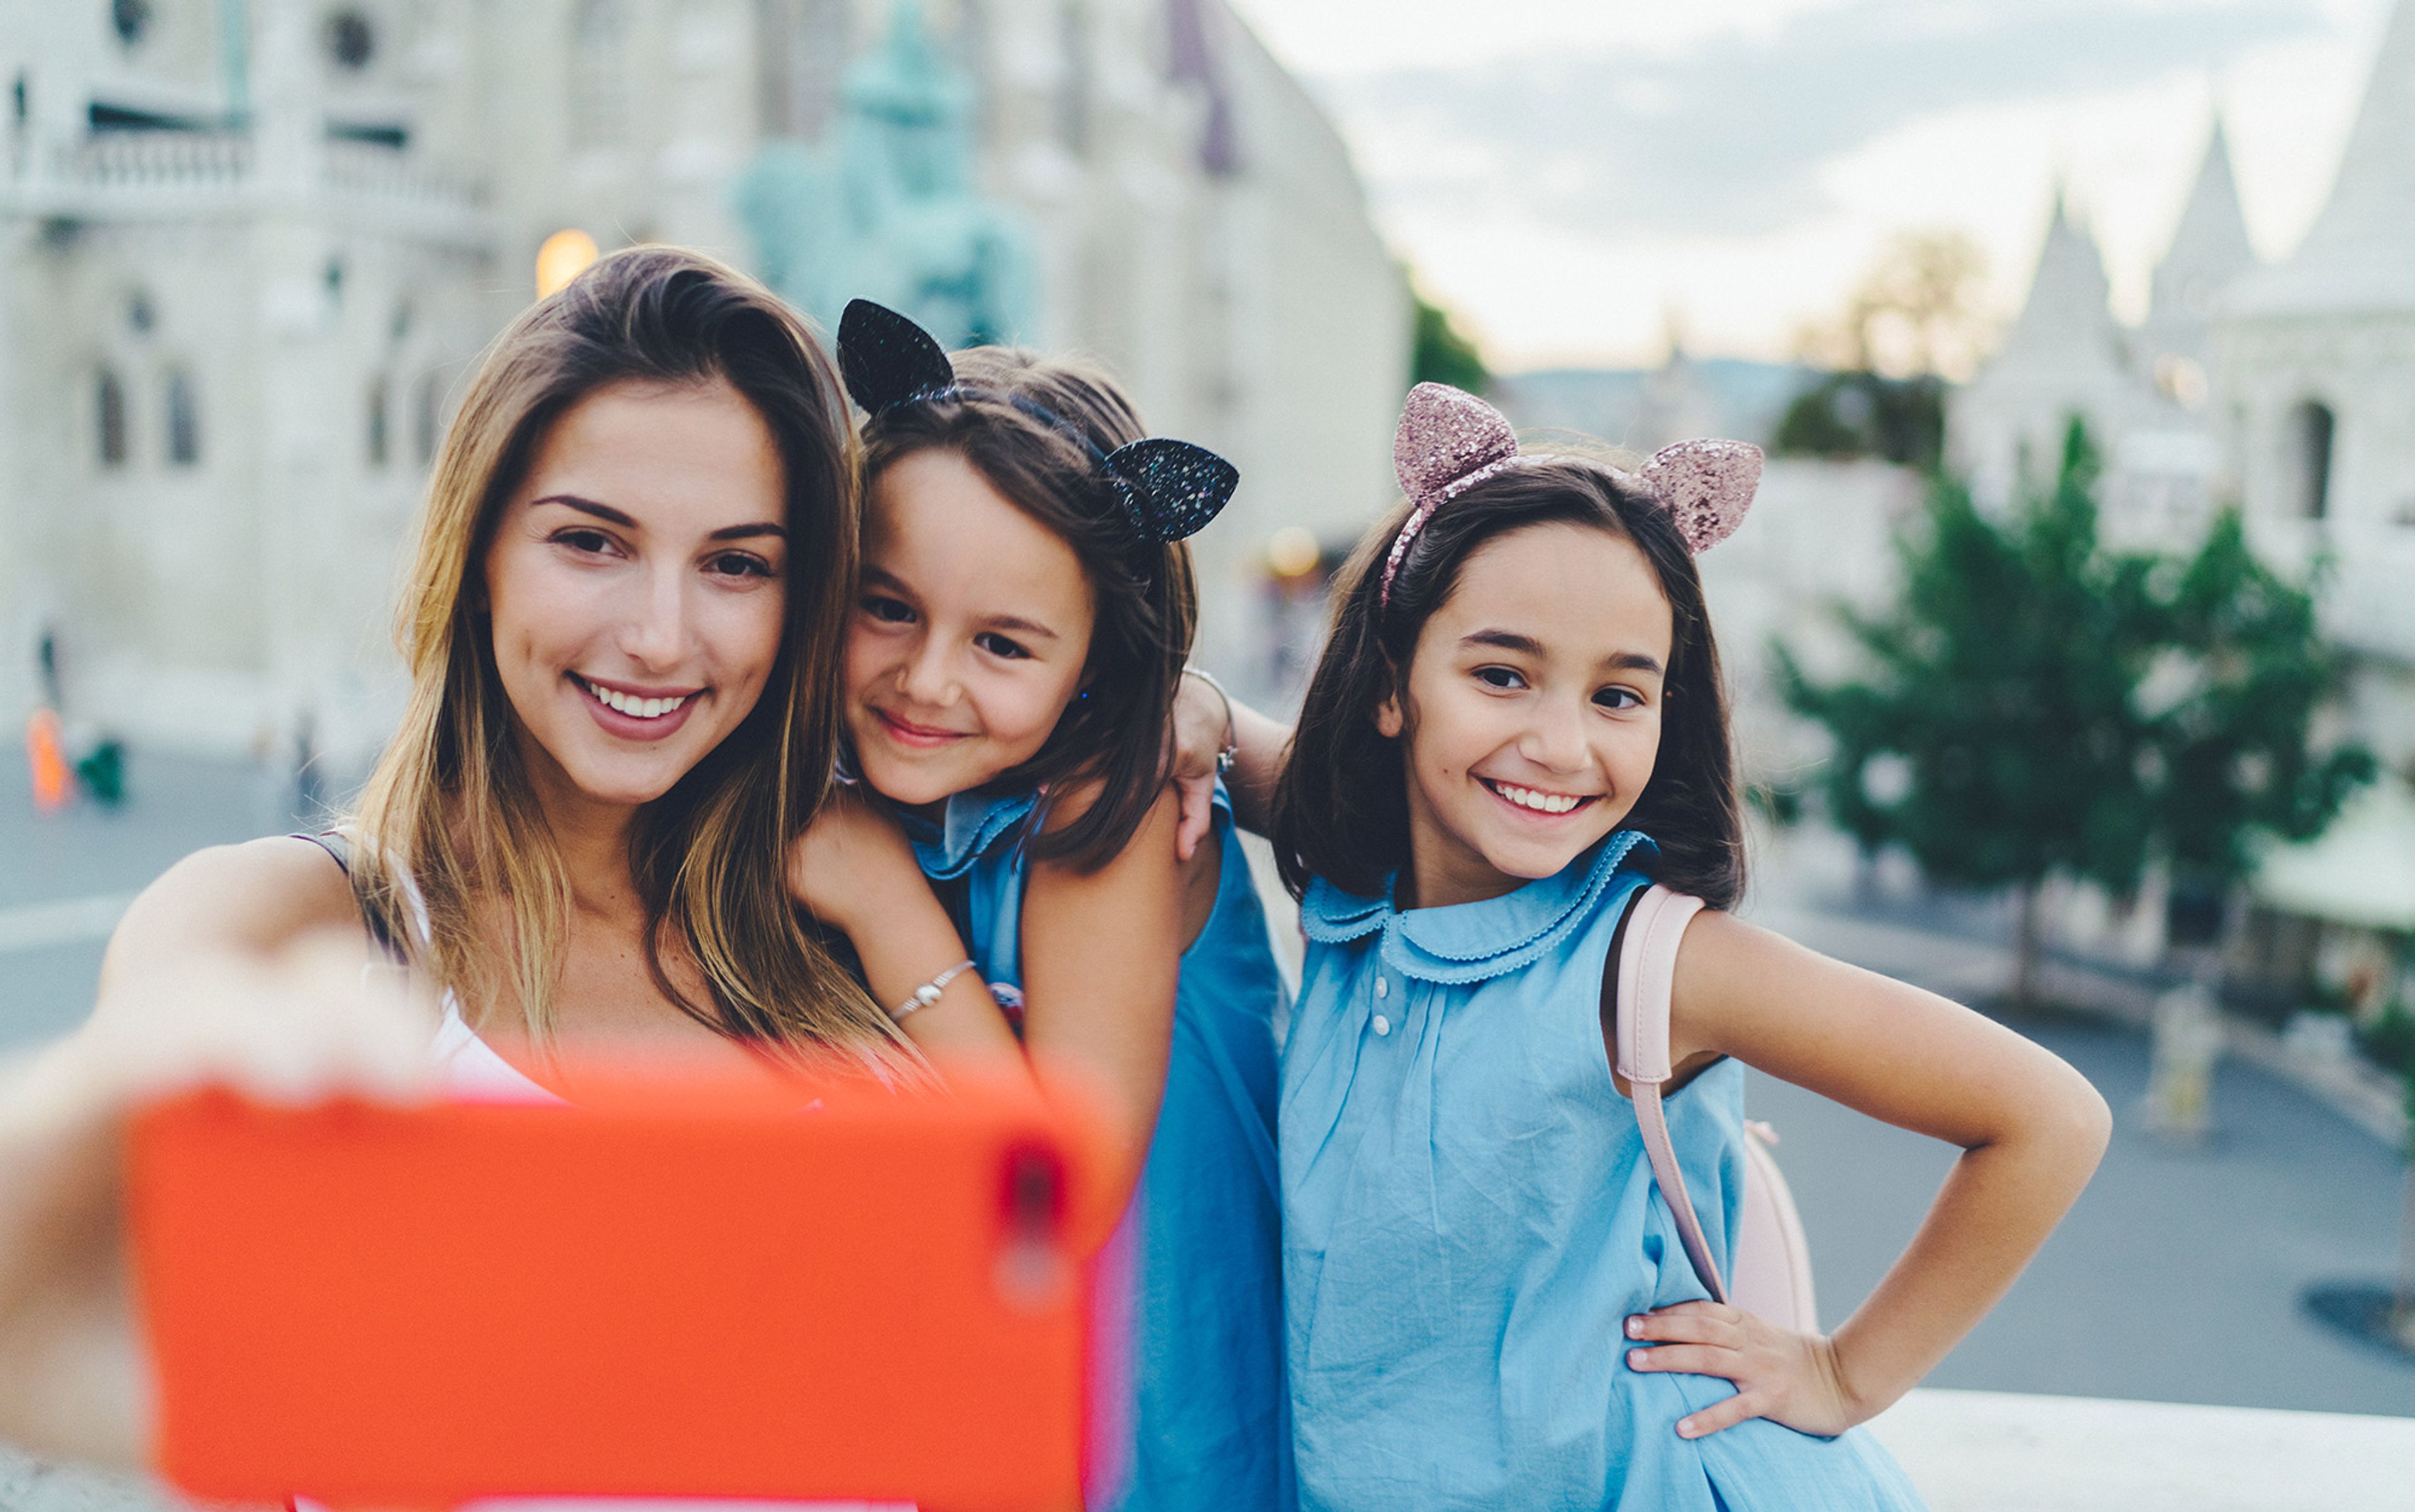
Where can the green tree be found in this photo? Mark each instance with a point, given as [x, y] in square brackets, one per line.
[1994, 737]
[1440, 355]
[2243, 674]
[1901, 420]
[2037, 704]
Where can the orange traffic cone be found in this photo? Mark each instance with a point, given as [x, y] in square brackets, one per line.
[53, 784]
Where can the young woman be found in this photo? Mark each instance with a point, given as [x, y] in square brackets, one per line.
[622, 626]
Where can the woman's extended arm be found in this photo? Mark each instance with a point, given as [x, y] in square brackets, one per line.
[2031, 1129]
[240, 965]
[1101, 955]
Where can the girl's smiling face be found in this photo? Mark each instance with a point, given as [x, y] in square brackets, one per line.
[970, 633]
[1532, 710]
[635, 586]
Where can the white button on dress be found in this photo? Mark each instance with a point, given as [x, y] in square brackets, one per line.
[1383, 1025]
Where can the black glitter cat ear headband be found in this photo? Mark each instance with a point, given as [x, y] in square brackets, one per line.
[1169, 489]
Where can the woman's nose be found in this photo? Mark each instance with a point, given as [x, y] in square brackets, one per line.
[656, 633]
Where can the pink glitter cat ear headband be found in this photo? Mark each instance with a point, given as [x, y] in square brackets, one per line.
[1450, 440]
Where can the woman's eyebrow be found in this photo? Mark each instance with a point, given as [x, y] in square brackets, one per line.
[613, 516]
[587, 506]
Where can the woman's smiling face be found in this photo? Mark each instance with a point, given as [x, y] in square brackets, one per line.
[636, 586]
[970, 633]
[1532, 709]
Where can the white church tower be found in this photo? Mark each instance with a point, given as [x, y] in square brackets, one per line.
[2314, 381]
[2209, 251]
[2065, 357]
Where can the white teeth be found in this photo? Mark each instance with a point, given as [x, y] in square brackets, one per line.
[1527, 798]
[634, 707]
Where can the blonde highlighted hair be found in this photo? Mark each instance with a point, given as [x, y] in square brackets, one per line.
[450, 807]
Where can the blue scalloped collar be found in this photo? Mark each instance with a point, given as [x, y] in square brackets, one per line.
[972, 823]
[1471, 941]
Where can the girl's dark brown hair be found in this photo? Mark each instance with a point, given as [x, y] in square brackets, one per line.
[1342, 812]
[1114, 733]
[451, 807]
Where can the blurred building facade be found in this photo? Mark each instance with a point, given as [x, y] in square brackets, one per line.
[2286, 391]
[249, 251]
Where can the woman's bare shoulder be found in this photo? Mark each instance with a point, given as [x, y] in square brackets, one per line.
[257, 896]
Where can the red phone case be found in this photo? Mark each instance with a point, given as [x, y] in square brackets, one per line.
[688, 1292]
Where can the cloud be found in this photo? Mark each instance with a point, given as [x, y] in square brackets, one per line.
[1727, 135]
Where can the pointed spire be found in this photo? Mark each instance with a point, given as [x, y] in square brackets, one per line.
[2355, 258]
[2209, 252]
[2069, 314]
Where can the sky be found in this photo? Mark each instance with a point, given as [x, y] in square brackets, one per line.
[1571, 179]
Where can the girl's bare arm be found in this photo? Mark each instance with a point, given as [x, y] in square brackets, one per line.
[855, 870]
[1101, 955]
[1259, 745]
[2031, 1129]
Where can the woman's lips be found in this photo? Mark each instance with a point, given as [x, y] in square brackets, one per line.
[919, 737]
[630, 727]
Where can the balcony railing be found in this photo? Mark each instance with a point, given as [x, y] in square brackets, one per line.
[140, 173]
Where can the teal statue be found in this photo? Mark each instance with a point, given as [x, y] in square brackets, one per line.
[886, 209]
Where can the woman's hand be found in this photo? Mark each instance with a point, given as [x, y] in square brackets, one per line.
[1787, 1377]
[298, 1026]
[851, 865]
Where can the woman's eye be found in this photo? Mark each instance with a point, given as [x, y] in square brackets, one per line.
[583, 540]
[887, 610]
[998, 645]
[1499, 677]
[741, 565]
[1619, 698]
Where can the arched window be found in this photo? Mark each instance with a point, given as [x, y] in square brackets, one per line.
[184, 419]
[2312, 431]
[374, 435]
[599, 73]
[109, 418]
[427, 420]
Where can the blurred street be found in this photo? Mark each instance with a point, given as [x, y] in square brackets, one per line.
[2176, 1278]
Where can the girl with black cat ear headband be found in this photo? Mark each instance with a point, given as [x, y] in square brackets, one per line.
[1026, 613]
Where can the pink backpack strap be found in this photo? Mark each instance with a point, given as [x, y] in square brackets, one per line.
[1647, 970]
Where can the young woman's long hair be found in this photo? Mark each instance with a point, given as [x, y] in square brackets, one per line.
[1342, 811]
[450, 807]
[1146, 600]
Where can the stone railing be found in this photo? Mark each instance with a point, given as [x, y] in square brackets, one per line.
[138, 172]
[154, 160]
[1966, 1451]
[365, 168]
[1988, 1451]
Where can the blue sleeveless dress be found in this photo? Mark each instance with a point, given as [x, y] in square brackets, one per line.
[1212, 1429]
[1469, 1218]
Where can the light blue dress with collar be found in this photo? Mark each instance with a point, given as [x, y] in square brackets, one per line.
[1212, 1419]
[1469, 1218]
